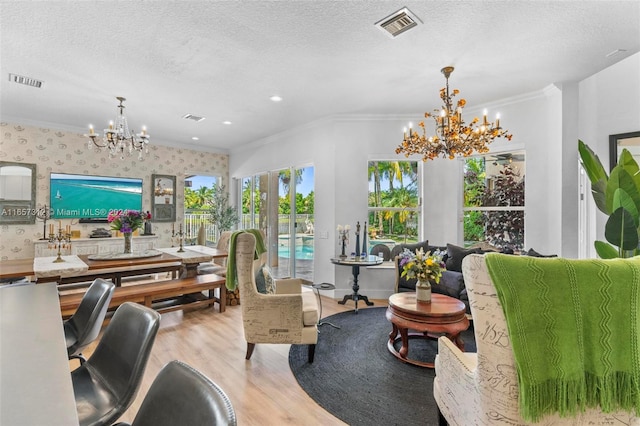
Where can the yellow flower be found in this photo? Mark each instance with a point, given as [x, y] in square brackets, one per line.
[430, 262]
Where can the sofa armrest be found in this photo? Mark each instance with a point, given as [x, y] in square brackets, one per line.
[453, 357]
[288, 286]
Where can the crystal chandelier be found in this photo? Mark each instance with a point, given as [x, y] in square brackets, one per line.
[118, 139]
[453, 137]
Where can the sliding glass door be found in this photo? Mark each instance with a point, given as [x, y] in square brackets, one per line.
[280, 203]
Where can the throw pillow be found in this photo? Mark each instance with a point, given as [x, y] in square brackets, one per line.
[451, 284]
[399, 248]
[269, 282]
[534, 253]
[455, 255]
[260, 282]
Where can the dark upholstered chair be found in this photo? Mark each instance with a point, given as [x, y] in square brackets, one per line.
[107, 383]
[183, 396]
[84, 325]
[381, 248]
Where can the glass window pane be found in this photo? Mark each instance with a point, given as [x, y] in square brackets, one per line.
[494, 180]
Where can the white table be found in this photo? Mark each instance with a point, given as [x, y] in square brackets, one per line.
[35, 381]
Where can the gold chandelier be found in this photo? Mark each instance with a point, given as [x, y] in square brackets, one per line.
[118, 139]
[453, 137]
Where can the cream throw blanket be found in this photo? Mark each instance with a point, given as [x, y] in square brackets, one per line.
[574, 328]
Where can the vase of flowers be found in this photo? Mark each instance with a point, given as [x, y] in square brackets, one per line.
[425, 267]
[126, 221]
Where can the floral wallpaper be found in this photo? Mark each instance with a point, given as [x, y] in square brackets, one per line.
[60, 151]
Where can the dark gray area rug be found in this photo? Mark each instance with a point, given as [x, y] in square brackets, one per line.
[357, 379]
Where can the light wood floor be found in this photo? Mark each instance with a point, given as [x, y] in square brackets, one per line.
[263, 390]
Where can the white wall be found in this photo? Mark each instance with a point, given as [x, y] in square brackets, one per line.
[340, 147]
[545, 124]
[609, 103]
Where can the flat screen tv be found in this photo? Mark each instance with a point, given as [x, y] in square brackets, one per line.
[91, 198]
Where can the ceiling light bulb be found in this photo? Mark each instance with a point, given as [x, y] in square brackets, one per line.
[195, 138]
[227, 122]
[275, 98]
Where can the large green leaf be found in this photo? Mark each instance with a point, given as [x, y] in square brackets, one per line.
[620, 178]
[598, 191]
[606, 251]
[621, 231]
[622, 199]
[591, 163]
[629, 163]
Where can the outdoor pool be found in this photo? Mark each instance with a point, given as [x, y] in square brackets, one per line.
[303, 252]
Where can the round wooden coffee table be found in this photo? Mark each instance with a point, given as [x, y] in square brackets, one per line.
[444, 315]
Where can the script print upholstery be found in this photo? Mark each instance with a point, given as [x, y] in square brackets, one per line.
[289, 316]
[482, 388]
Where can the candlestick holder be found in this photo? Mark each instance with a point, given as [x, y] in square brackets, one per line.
[180, 235]
[343, 239]
[59, 241]
[44, 215]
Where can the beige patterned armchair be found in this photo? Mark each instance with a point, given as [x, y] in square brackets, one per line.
[289, 316]
[482, 388]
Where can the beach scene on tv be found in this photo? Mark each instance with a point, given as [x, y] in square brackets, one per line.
[92, 197]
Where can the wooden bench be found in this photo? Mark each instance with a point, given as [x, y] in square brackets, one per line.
[163, 296]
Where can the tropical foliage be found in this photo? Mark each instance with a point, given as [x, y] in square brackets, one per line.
[501, 228]
[197, 199]
[618, 196]
[393, 191]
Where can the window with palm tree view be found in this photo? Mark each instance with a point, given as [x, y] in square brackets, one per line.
[394, 204]
[494, 200]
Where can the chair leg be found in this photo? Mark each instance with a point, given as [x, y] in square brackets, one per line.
[79, 357]
[250, 347]
[312, 352]
[441, 420]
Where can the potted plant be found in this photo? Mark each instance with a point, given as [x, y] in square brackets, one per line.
[221, 214]
[618, 196]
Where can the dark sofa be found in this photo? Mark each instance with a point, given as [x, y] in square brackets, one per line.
[451, 283]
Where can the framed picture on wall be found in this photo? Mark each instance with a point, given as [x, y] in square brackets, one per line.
[164, 198]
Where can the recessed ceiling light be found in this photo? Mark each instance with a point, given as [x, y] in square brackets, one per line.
[195, 138]
[227, 122]
[275, 98]
[193, 117]
[615, 52]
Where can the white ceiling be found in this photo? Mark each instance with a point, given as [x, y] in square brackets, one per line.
[224, 59]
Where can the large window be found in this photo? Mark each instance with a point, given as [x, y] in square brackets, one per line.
[394, 205]
[494, 200]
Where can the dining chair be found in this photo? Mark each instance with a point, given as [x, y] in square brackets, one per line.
[181, 395]
[217, 266]
[107, 383]
[84, 325]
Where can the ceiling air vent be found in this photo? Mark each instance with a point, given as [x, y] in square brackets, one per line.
[398, 22]
[28, 81]
[193, 117]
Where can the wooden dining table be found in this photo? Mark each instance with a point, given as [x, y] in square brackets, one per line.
[164, 260]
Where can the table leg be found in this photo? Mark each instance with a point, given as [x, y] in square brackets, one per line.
[355, 296]
[404, 336]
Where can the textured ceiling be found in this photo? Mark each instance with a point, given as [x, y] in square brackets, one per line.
[224, 59]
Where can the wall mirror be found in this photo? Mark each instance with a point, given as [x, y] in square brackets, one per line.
[630, 141]
[17, 193]
[164, 198]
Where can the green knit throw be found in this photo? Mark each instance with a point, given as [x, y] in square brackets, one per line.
[574, 331]
[232, 273]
